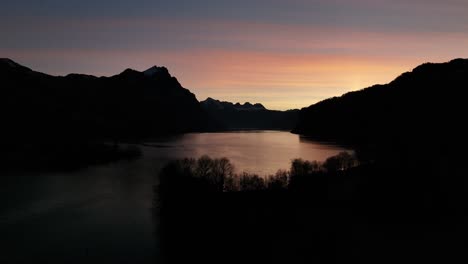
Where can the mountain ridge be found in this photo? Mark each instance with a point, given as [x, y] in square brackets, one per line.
[247, 106]
[248, 116]
[63, 122]
[418, 106]
[123, 98]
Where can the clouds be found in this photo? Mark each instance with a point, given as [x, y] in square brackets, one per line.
[373, 15]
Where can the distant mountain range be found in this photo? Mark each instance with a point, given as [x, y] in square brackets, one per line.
[426, 106]
[249, 116]
[214, 104]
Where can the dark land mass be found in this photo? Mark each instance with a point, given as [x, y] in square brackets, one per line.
[249, 116]
[65, 117]
[365, 213]
[423, 107]
[405, 200]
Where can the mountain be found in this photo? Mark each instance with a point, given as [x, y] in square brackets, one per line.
[38, 109]
[214, 104]
[249, 116]
[424, 107]
[131, 104]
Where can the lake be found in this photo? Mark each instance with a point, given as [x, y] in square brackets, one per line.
[103, 213]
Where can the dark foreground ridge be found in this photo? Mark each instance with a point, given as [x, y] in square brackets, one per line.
[338, 211]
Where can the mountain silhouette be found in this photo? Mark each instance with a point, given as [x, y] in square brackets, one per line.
[214, 104]
[53, 115]
[249, 116]
[424, 107]
[131, 104]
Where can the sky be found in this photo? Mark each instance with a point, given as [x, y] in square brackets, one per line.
[283, 54]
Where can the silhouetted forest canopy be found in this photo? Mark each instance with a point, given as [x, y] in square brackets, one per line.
[334, 211]
[218, 174]
[214, 214]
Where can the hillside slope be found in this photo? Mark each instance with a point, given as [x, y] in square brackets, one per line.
[421, 106]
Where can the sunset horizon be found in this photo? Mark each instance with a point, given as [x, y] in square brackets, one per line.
[261, 98]
[283, 55]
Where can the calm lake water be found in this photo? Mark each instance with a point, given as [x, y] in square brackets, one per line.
[103, 213]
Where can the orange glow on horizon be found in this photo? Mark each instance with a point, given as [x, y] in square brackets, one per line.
[281, 66]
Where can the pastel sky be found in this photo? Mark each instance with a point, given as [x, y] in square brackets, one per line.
[284, 54]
